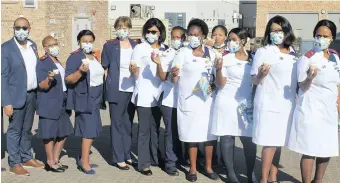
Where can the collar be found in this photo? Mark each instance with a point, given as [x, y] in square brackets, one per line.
[277, 50]
[29, 43]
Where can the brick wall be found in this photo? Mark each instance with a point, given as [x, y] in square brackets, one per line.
[266, 6]
[63, 13]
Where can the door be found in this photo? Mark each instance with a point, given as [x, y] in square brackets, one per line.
[79, 24]
[176, 19]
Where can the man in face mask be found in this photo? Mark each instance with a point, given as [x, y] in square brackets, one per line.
[19, 57]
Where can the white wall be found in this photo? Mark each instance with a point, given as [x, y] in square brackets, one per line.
[193, 9]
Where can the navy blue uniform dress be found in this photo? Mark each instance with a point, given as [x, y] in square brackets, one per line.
[54, 119]
[83, 99]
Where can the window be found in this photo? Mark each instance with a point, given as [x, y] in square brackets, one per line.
[30, 3]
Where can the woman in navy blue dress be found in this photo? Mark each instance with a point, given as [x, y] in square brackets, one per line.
[84, 76]
[54, 121]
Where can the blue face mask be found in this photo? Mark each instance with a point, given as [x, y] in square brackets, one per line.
[276, 37]
[151, 38]
[321, 43]
[194, 41]
[233, 46]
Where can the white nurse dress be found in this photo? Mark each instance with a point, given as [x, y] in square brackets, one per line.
[315, 123]
[275, 96]
[227, 118]
[193, 109]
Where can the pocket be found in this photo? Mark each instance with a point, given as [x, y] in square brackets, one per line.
[81, 101]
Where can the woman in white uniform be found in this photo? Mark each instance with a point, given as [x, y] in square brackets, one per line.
[274, 73]
[147, 83]
[194, 107]
[315, 130]
[232, 115]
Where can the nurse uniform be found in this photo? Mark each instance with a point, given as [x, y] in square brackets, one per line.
[194, 110]
[315, 123]
[227, 119]
[274, 100]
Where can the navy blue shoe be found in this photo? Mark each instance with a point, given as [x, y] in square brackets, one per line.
[81, 168]
[91, 165]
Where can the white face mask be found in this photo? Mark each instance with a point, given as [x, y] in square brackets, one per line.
[321, 43]
[151, 38]
[122, 33]
[54, 51]
[21, 34]
[87, 47]
[277, 37]
[194, 41]
[176, 43]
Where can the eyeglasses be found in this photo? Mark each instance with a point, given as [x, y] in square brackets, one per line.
[19, 28]
[152, 32]
[276, 31]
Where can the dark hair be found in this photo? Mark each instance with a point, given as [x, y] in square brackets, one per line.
[241, 33]
[181, 29]
[160, 26]
[220, 27]
[85, 33]
[328, 24]
[286, 28]
[201, 24]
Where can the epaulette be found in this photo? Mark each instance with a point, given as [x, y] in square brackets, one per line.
[309, 53]
[112, 40]
[225, 52]
[333, 51]
[43, 57]
[76, 51]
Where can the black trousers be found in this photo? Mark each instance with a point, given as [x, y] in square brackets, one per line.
[227, 151]
[173, 148]
[148, 130]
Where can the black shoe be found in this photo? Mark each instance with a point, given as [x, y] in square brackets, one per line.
[147, 172]
[121, 167]
[63, 166]
[191, 177]
[212, 176]
[171, 171]
[131, 163]
[56, 170]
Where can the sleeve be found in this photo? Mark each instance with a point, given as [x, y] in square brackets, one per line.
[257, 61]
[105, 57]
[302, 68]
[5, 97]
[179, 60]
[72, 65]
[42, 73]
[137, 55]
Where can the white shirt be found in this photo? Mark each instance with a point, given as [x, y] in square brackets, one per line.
[148, 81]
[96, 73]
[126, 80]
[30, 59]
[62, 74]
[168, 89]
